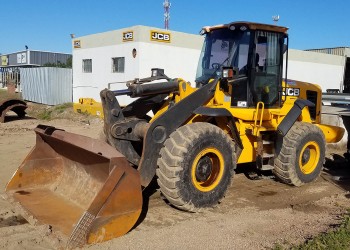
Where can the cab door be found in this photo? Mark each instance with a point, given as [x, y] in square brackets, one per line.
[266, 73]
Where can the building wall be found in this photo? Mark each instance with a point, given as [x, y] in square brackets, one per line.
[18, 59]
[178, 58]
[140, 34]
[177, 62]
[90, 84]
[42, 57]
[318, 68]
[33, 58]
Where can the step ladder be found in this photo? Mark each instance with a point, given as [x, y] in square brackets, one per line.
[264, 160]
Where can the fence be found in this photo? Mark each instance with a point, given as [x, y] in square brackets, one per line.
[10, 74]
[46, 85]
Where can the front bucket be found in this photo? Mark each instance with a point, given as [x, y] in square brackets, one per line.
[82, 188]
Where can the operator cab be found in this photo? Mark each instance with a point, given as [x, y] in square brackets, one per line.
[253, 52]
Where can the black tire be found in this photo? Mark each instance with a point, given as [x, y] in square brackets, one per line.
[196, 166]
[300, 154]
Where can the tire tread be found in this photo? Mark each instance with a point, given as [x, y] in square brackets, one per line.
[284, 168]
[174, 150]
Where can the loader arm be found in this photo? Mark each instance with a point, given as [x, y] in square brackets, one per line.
[124, 128]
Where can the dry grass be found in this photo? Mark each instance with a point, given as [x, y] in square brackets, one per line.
[46, 112]
[62, 111]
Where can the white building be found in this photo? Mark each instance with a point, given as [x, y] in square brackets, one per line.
[329, 68]
[121, 55]
[114, 57]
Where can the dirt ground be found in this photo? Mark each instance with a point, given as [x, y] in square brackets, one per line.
[256, 214]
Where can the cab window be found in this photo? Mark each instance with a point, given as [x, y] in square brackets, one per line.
[267, 67]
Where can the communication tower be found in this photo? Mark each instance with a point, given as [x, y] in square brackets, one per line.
[166, 6]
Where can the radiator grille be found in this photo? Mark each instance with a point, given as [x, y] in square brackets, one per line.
[312, 97]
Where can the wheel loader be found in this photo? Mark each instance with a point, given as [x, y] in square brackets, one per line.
[242, 110]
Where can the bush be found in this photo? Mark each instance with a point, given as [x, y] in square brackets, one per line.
[337, 239]
[47, 113]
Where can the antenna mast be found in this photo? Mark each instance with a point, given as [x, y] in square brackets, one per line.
[166, 5]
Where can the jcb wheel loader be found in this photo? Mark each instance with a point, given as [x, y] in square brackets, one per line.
[241, 110]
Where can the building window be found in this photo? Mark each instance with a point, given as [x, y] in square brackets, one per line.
[87, 65]
[118, 64]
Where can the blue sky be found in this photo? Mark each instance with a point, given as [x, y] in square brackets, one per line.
[46, 24]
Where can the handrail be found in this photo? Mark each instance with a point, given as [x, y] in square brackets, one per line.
[256, 130]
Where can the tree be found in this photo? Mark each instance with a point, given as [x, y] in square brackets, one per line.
[68, 64]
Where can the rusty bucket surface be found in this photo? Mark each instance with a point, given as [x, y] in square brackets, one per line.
[83, 188]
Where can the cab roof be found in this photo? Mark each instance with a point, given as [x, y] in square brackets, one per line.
[249, 25]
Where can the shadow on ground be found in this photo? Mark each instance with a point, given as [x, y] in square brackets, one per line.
[337, 170]
[150, 190]
[10, 118]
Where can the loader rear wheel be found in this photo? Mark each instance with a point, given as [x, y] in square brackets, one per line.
[196, 166]
[300, 154]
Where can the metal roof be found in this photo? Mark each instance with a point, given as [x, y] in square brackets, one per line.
[338, 51]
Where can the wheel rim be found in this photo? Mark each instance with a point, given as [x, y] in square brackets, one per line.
[207, 169]
[309, 157]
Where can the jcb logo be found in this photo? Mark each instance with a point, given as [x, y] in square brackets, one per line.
[160, 36]
[292, 92]
[128, 36]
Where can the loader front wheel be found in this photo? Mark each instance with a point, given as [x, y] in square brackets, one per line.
[300, 154]
[196, 166]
